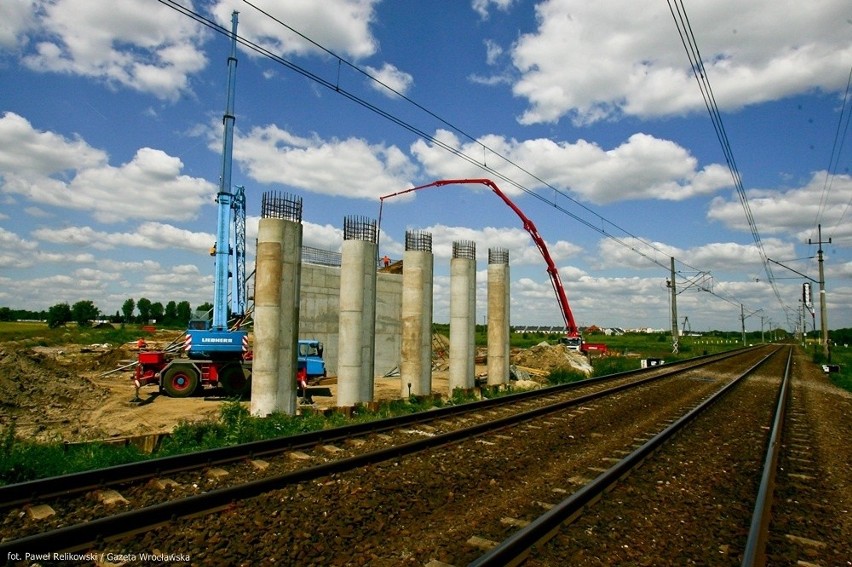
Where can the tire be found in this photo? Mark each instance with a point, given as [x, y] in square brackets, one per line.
[233, 380]
[180, 380]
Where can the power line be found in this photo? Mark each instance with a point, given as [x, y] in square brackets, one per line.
[687, 38]
[836, 149]
[336, 87]
[483, 164]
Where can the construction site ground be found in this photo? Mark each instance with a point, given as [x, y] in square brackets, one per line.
[73, 393]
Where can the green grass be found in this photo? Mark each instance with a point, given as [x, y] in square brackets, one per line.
[840, 355]
[22, 460]
[29, 334]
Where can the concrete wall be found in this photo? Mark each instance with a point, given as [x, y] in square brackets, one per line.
[319, 315]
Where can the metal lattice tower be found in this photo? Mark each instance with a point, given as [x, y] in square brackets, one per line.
[238, 294]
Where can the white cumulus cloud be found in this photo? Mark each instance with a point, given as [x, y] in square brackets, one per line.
[592, 61]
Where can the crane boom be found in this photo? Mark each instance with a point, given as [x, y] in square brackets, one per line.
[213, 339]
[225, 197]
[552, 271]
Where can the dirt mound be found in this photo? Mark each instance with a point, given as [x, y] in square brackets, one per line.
[548, 357]
[37, 390]
[68, 392]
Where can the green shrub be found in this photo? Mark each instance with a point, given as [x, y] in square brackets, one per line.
[564, 376]
[613, 364]
[23, 460]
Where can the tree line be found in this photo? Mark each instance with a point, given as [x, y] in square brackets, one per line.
[85, 312]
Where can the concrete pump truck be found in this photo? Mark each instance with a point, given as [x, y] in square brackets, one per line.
[216, 354]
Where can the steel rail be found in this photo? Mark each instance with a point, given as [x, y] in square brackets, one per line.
[758, 535]
[86, 481]
[516, 547]
[88, 535]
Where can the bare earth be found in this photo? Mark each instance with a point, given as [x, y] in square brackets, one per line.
[83, 392]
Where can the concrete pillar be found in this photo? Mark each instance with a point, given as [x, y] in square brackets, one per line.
[288, 342]
[415, 366]
[498, 316]
[357, 344]
[276, 304]
[462, 315]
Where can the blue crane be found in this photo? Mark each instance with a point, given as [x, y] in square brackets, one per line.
[214, 339]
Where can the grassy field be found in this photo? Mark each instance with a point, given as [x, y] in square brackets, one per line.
[30, 334]
[841, 355]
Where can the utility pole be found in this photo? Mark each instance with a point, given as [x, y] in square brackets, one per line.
[671, 285]
[742, 322]
[823, 311]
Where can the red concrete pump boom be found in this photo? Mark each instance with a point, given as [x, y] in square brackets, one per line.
[529, 226]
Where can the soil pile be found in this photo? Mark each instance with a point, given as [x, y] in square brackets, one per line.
[547, 357]
[36, 391]
[81, 392]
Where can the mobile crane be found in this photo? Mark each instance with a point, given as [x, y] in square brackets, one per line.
[214, 352]
[217, 355]
[572, 339]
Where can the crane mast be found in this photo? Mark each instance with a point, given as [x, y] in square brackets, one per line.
[212, 339]
[225, 197]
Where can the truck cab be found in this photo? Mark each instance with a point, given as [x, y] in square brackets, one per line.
[202, 341]
[572, 343]
[310, 358]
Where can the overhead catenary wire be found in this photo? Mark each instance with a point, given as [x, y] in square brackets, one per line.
[486, 149]
[335, 86]
[687, 37]
[834, 159]
[627, 239]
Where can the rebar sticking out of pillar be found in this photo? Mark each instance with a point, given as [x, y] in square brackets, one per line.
[498, 256]
[284, 206]
[464, 249]
[360, 228]
[418, 240]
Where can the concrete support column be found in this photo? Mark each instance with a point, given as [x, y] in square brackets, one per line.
[276, 305]
[415, 367]
[498, 316]
[288, 343]
[462, 315]
[357, 344]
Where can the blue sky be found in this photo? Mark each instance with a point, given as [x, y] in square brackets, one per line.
[111, 129]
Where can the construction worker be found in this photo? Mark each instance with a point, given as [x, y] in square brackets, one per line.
[302, 381]
[386, 260]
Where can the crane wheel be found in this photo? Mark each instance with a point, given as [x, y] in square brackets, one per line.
[233, 380]
[180, 381]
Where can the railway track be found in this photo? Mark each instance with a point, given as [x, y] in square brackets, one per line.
[691, 499]
[717, 493]
[484, 430]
